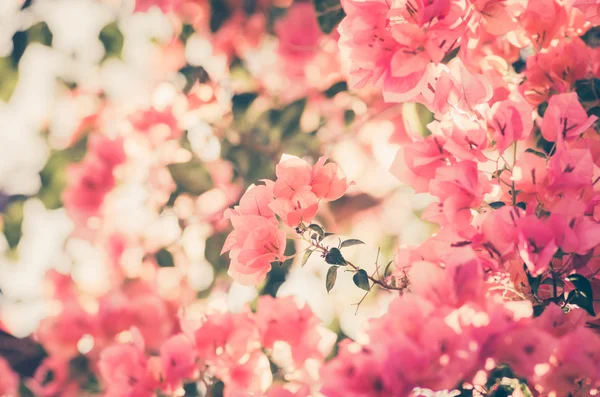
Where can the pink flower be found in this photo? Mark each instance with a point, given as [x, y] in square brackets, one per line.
[293, 175]
[591, 9]
[127, 372]
[53, 379]
[327, 180]
[146, 120]
[178, 357]
[542, 20]
[565, 118]
[570, 170]
[9, 380]
[282, 319]
[301, 207]
[416, 163]
[501, 231]
[254, 243]
[298, 33]
[510, 121]
[459, 187]
[537, 243]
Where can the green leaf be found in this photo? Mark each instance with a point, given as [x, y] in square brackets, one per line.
[305, 257]
[534, 282]
[164, 258]
[538, 310]
[497, 204]
[331, 277]
[537, 153]
[335, 89]
[592, 37]
[582, 284]
[588, 90]
[577, 298]
[329, 14]
[191, 177]
[334, 257]
[112, 40]
[350, 243]
[361, 280]
[317, 228]
[522, 205]
[240, 104]
[12, 222]
[349, 116]
[289, 119]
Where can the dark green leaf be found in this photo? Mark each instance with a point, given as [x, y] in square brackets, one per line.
[317, 228]
[335, 89]
[450, 55]
[582, 284]
[577, 298]
[240, 104]
[349, 116]
[12, 222]
[112, 40]
[522, 205]
[350, 243]
[361, 280]
[534, 282]
[588, 90]
[289, 120]
[538, 310]
[191, 177]
[305, 257]
[331, 277]
[537, 153]
[327, 234]
[387, 267]
[497, 204]
[164, 258]
[334, 257]
[592, 37]
[329, 14]
[219, 14]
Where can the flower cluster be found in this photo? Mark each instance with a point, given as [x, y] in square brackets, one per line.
[294, 197]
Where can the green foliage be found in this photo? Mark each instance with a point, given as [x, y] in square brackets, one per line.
[537, 153]
[12, 222]
[361, 280]
[164, 258]
[582, 295]
[38, 33]
[191, 177]
[588, 90]
[305, 257]
[334, 257]
[220, 12]
[329, 14]
[112, 39]
[9, 79]
[331, 277]
[335, 89]
[592, 37]
[54, 174]
[497, 204]
[350, 243]
[279, 271]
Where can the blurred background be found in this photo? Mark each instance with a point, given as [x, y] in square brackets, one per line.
[206, 97]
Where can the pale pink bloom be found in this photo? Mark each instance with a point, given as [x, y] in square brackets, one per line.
[327, 180]
[60, 334]
[163, 5]
[523, 348]
[300, 207]
[462, 137]
[496, 16]
[9, 380]
[509, 121]
[577, 234]
[459, 187]
[537, 243]
[542, 20]
[416, 163]
[53, 379]
[591, 9]
[533, 172]
[293, 174]
[570, 170]
[254, 243]
[250, 374]
[178, 357]
[501, 231]
[126, 371]
[255, 201]
[282, 319]
[565, 118]
[145, 120]
[226, 337]
[298, 33]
